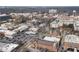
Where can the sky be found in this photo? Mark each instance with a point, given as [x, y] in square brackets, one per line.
[39, 2]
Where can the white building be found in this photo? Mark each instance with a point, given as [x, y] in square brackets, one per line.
[33, 29]
[55, 24]
[51, 39]
[2, 29]
[24, 14]
[30, 32]
[7, 25]
[76, 25]
[9, 34]
[7, 47]
[21, 27]
[68, 21]
[71, 39]
[53, 11]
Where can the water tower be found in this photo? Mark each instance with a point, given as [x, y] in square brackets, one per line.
[74, 12]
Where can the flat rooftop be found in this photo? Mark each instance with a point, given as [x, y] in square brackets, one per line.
[6, 47]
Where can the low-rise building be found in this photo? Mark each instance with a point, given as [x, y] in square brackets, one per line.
[33, 29]
[9, 34]
[30, 32]
[53, 11]
[76, 25]
[55, 24]
[4, 17]
[7, 26]
[71, 42]
[2, 32]
[67, 20]
[20, 28]
[7, 47]
[49, 43]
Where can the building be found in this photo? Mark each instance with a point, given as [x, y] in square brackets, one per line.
[71, 42]
[2, 32]
[9, 34]
[30, 33]
[7, 26]
[53, 11]
[24, 14]
[56, 23]
[48, 43]
[76, 25]
[67, 20]
[21, 27]
[34, 29]
[7, 47]
[4, 17]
